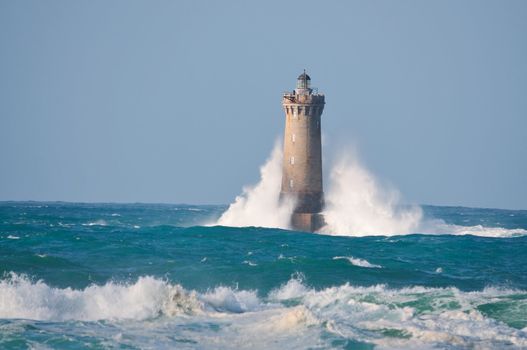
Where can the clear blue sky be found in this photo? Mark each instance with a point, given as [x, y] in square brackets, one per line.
[179, 101]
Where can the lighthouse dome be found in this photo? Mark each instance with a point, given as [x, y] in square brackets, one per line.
[303, 82]
[304, 76]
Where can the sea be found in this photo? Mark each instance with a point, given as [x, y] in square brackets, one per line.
[168, 276]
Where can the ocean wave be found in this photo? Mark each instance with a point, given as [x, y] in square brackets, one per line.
[407, 317]
[438, 226]
[357, 204]
[148, 297]
[96, 223]
[414, 317]
[358, 262]
[188, 209]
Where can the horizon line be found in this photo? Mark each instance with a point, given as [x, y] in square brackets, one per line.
[2, 201]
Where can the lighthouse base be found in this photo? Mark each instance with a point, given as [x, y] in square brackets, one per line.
[307, 222]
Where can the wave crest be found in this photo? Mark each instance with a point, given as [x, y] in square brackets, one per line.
[358, 262]
[407, 317]
[414, 317]
[147, 298]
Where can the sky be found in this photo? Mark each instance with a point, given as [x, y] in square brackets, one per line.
[180, 101]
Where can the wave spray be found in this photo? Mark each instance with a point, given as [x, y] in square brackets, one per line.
[355, 204]
[260, 205]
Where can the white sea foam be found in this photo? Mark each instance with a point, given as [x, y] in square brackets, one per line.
[293, 289]
[260, 205]
[194, 209]
[12, 237]
[147, 298]
[21, 298]
[414, 317]
[437, 226]
[356, 205]
[281, 322]
[358, 262]
[225, 299]
[96, 223]
[283, 257]
[187, 209]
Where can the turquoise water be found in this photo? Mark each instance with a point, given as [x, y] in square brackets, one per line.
[158, 276]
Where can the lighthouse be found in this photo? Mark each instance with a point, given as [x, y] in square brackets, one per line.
[302, 162]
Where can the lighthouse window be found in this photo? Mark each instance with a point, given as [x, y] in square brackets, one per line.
[292, 160]
[291, 183]
[293, 138]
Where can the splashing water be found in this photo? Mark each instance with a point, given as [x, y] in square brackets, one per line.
[172, 284]
[412, 317]
[356, 204]
[260, 205]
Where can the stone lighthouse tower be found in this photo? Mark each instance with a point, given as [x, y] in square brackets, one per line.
[302, 164]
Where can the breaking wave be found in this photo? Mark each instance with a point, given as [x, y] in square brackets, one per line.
[260, 205]
[407, 317]
[437, 226]
[358, 262]
[148, 297]
[414, 317]
[356, 205]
